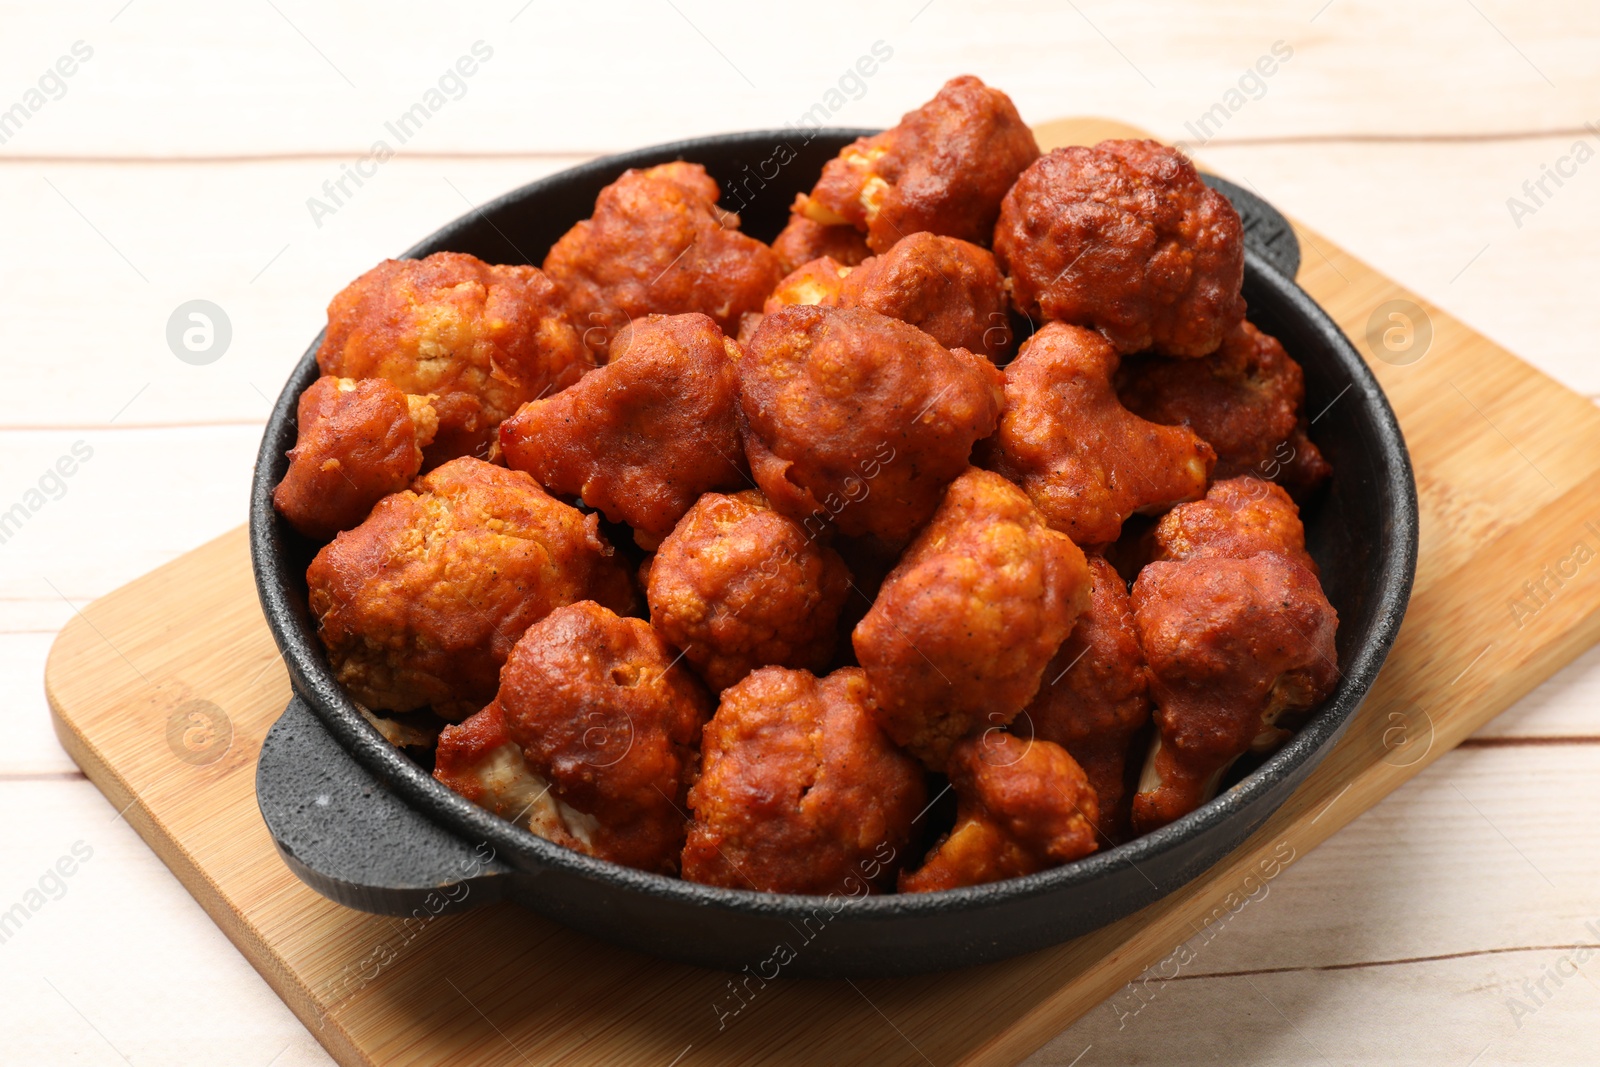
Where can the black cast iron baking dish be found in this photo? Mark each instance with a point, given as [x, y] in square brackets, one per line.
[365, 826]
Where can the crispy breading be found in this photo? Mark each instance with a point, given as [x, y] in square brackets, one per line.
[1022, 806]
[482, 339]
[421, 603]
[642, 437]
[943, 169]
[738, 586]
[1124, 237]
[960, 634]
[858, 419]
[657, 243]
[358, 441]
[1087, 461]
[799, 790]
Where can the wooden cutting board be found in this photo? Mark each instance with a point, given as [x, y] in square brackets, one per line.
[163, 690]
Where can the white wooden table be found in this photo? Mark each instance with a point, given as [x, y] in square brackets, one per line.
[175, 162]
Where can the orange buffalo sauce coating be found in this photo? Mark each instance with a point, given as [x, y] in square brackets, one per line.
[1238, 518]
[1087, 461]
[1125, 238]
[803, 240]
[358, 442]
[482, 339]
[943, 169]
[659, 244]
[799, 790]
[858, 420]
[948, 288]
[642, 437]
[1095, 698]
[738, 586]
[1236, 647]
[1022, 806]
[1245, 401]
[421, 604]
[959, 636]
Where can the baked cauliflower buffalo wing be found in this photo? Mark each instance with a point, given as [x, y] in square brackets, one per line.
[642, 437]
[738, 586]
[1245, 401]
[799, 790]
[1095, 698]
[659, 244]
[1238, 518]
[859, 419]
[817, 282]
[1124, 237]
[421, 603]
[948, 288]
[482, 339]
[1021, 807]
[358, 442]
[803, 240]
[960, 634]
[599, 708]
[478, 759]
[1236, 648]
[943, 169]
[1087, 461]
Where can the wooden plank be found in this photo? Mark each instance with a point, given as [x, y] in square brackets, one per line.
[336, 74]
[525, 988]
[94, 971]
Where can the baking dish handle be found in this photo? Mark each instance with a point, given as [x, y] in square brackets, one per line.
[347, 836]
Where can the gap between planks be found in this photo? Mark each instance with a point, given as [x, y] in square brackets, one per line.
[1424, 137]
[1551, 740]
[1359, 965]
